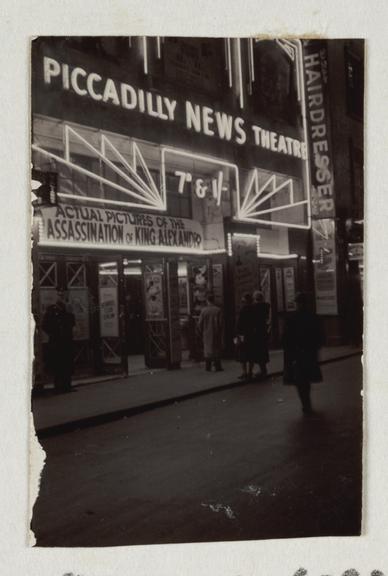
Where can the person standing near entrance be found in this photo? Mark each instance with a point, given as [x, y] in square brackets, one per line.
[301, 342]
[246, 326]
[58, 323]
[261, 313]
[210, 327]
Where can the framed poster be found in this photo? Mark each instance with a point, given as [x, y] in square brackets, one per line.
[109, 312]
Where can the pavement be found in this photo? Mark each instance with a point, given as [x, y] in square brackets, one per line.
[104, 401]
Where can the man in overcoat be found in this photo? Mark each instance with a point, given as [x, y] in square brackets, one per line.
[210, 327]
[58, 323]
[301, 342]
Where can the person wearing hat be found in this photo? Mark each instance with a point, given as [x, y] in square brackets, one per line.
[210, 328]
[301, 343]
[58, 323]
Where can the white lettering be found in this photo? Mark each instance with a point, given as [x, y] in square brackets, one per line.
[141, 101]
[296, 147]
[224, 125]
[170, 105]
[256, 133]
[318, 131]
[150, 109]
[74, 81]
[65, 77]
[282, 146]
[315, 100]
[126, 90]
[312, 76]
[239, 128]
[207, 120]
[159, 108]
[320, 146]
[317, 115]
[90, 85]
[273, 141]
[312, 60]
[193, 116]
[110, 93]
[50, 68]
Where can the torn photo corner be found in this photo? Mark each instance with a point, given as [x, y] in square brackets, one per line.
[197, 289]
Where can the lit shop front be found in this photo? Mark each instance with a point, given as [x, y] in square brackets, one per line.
[165, 192]
[135, 282]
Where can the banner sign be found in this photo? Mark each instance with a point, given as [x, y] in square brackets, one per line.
[324, 258]
[318, 128]
[94, 227]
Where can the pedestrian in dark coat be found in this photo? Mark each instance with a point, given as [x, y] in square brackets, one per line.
[210, 327]
[58, 323]
[246, 327]
[301, 341]
[261, 311]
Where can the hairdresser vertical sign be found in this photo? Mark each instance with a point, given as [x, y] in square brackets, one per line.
[322, 182]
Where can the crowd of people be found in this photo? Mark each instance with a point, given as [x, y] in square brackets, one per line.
[301, 342]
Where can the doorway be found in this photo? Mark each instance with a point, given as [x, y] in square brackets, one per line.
[134, 316]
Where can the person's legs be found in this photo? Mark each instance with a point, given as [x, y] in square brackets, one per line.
[217, 365]
[263, 369]
[244, 371]
[304, 390]
[208, 364]
[250, 370]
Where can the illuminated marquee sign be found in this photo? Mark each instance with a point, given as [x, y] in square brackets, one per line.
[263, 197]
[138, 192]
[221, 176]
[268, 198]
[197, 118]
[274, 199]
[83, 226]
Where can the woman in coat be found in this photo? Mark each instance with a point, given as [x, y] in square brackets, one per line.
[301, 341]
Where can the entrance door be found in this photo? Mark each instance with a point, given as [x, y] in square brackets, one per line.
[155, 312]
[108, 288]
[134, 316]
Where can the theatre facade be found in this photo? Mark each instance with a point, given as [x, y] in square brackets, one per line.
[179, 165]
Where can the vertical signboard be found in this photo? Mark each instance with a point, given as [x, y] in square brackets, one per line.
[289, 288]
[322, 182]
[318, 127]
[324, 255]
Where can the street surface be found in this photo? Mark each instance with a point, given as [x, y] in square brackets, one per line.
[232, 465]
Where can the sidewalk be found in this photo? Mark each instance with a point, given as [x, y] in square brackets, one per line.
[109, 400]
